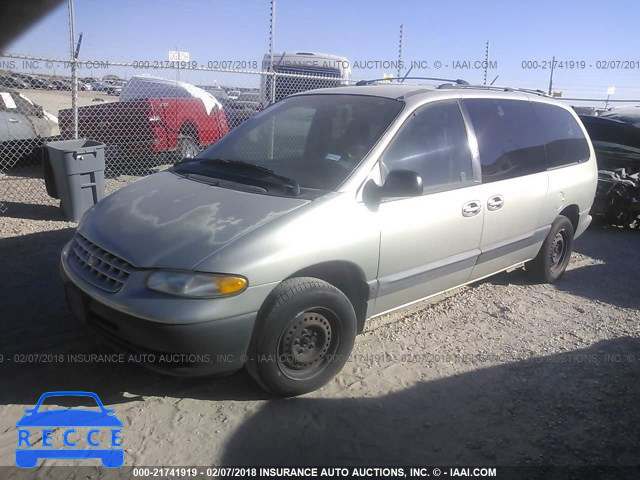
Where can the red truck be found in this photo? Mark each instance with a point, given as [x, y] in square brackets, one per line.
[153, 116]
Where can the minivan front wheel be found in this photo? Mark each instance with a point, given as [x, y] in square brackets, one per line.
[553, 257]
[303, 337]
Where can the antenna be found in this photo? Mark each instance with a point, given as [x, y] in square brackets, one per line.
[406, 75]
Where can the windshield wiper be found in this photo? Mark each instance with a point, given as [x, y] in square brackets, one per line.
[247, 165]
[268, 176]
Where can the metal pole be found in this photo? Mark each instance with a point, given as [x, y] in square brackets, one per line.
[553, 64]
[606, 104]
[400, 54]
[272, 73]
[74, 70]
[272, 20]
[486, 62]
[178, 65]
[272, 24]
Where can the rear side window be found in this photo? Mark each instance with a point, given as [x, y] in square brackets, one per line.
[564, 139]
[510, 138]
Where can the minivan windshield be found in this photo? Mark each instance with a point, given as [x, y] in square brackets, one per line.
[315, 141]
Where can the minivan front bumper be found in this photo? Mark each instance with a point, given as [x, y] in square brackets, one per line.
[187, 346]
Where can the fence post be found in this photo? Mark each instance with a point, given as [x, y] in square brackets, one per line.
[272, 24]
[74, 70]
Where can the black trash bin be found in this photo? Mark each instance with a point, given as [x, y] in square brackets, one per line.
[74, 173]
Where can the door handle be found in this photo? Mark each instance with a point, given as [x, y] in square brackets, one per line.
[13, 120]
[495, 202]
[471, 208]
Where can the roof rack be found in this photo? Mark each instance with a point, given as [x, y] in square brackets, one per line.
[495, 87]
[402, 79]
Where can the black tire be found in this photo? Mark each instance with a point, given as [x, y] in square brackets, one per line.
[303, 337]
[554, 256]
[187, 147]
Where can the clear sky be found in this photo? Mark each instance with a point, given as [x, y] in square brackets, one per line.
[363, 31]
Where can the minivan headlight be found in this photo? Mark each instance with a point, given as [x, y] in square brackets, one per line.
[196, 285]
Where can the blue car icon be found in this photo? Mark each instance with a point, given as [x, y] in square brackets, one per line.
[69, 419]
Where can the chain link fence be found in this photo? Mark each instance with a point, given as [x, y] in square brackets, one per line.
[147, 116]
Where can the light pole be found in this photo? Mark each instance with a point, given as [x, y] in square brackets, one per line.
[553, 65]
[74, 70]
[486, 62]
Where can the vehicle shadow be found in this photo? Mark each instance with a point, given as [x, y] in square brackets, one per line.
[607, 279]
[32, 211]
[574, 408]
[37, 328]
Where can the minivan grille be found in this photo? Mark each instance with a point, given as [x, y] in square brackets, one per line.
[97, 266]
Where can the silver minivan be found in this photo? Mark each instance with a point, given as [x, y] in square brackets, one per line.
[273, 247]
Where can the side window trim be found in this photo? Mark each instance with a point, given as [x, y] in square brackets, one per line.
[473, 143]
[475, 158]
[573, 164]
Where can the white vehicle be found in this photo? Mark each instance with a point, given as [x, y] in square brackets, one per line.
[233, 94]
[299, 72]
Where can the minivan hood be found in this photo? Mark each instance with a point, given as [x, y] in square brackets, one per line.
[168, 221]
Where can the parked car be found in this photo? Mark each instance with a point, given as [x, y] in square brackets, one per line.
[115, 90]
[98, 86]
[82, 85]
[616, 140]
[581, 110]
[24, 128]
[12, 82]
[233, 94]
[273, 247]
[219, 93]
[105, 87]
[61, 84]
[111, 78]
[629, 114]
[40, 83]
[249, 97]
[152, 116]
[238, 111]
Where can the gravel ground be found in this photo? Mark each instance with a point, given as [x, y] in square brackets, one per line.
[503, 372]
[23, 194]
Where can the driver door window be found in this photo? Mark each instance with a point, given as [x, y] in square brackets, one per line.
[433, 143]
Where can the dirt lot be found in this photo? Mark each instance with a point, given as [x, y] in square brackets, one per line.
[501, 373]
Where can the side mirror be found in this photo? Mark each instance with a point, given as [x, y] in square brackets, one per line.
[399, 183]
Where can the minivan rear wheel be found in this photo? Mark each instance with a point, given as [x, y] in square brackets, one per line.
[303, 337]
[554, 256]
